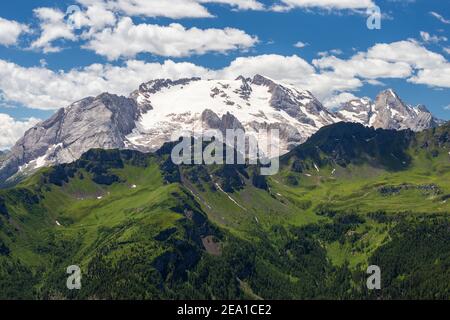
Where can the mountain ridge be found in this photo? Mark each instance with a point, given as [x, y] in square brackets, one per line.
[388, 111]
[151, 114]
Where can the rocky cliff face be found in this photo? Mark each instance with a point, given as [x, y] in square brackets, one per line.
[157, 109]
[101, 122]
[388, 111]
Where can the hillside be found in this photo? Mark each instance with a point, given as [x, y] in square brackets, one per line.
[142, 228]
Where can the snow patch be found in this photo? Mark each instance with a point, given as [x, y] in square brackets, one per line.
[229, 197]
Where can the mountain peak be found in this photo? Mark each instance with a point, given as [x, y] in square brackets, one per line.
[391, 98]
[388, 111]
[150, 116]
[243, 79]
[389, 92]
[262, 80]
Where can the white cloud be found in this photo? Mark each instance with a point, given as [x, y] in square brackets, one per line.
[53, 27]
[328, 78]
[447, 50]
[96, 16]
[271, 65]
[178, 9]
[431, 68]
[286, 5]
[361, 66]
[406, 51]
[432, 38]
[10, 31]
[339, 99]
[289, 69]
[174, 9]
[402, 59]
[41, 88]
[325, 85]
[438, 77]
[300, 44]
[12, 130]
[108, 28]
[439, 17]
[112, 36]
[374, 82]
[238, 4]
[174, 40]
[335, 52]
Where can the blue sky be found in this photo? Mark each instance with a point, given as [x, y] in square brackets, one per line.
[46, 64]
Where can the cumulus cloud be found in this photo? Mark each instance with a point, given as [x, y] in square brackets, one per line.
[10, 31]
[407, 51]
[12, 129]
[53, 27]
[108, 28]
[402, 59]
[364, 67]
[431, 68]
[174, 40]
[438, 77]
[115, 36]
[337, 100]
[96, 16]
[289, 69]
[178, 9]
[271, 65]
[42, 88]
[174, 9]
[238, 4]
[286, 5]
[329, 78]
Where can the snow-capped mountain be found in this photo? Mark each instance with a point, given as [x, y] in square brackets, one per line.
[150, 115]
[194, 105]
[388, 111]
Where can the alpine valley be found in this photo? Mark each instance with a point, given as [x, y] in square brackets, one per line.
[94, 186]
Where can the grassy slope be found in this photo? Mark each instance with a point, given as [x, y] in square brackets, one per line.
[92, 217]
[120, 221]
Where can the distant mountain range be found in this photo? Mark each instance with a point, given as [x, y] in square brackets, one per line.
[388, 111]
[150, 115]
